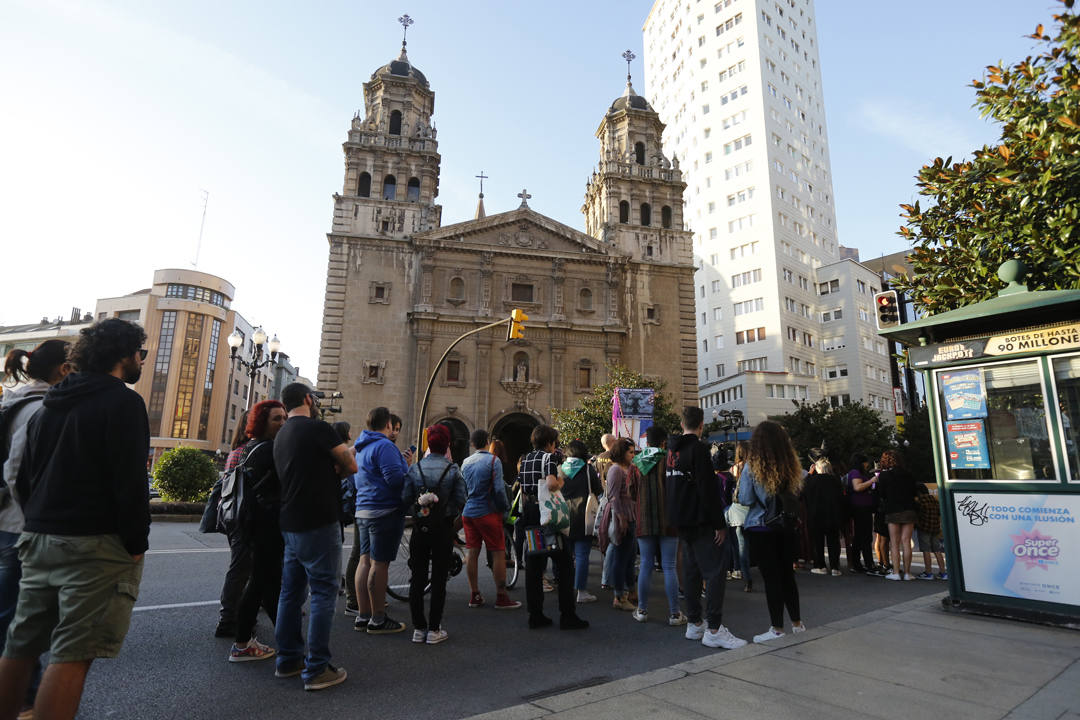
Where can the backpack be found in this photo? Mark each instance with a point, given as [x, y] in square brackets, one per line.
[782, 512]
[232, 506]
[348, 501]
[7, 417]
[431, 517]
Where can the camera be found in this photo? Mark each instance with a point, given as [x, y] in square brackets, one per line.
[318, 395]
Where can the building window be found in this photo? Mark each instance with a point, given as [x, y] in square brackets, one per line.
[389, 187]
[412, 190]
[651, 315]
[583, 376]
[828, 287]
[379, 293]
[758, 364]
[624, 212]
[457, 290]
[208, 383]
[395, 122]
[639, 153]
[161, 370]
[453, 371]
[373, 371]
[665, 216]
[522, 292]
[830, 315]
[646, 214]
[185, 392]
[585, 300]
[363, 185]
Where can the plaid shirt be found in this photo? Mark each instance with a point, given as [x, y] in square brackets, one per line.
[929, 514]
[535, 467]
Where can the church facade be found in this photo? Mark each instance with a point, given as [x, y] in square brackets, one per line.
[401, 287]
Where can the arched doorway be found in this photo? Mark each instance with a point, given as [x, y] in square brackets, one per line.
[514, 430]
[459, 438]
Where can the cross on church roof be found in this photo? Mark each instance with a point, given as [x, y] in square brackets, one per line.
[405, 21]
[627, 56]
[524, 195]
[482, 177]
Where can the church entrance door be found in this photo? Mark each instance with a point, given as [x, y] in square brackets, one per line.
[459, 439]
[514, 431]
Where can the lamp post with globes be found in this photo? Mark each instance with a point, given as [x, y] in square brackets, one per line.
[257, 360]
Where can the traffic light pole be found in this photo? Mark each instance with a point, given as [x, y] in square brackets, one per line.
[435, 373]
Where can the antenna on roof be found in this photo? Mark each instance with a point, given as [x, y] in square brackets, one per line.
[202, 224]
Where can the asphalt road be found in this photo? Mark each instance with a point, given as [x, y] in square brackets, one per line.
[171, 666]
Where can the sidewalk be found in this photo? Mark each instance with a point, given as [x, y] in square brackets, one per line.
[908, 661]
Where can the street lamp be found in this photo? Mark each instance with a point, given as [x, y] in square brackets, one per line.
[257, 361]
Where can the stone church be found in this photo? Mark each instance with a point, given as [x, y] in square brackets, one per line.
[401, 286]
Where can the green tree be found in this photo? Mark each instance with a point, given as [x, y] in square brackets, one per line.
[845, 430]
[591, 417]
[916, 445]
[184, 474]
[1019, 198]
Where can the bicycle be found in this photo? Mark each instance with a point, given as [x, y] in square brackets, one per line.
[399, 576]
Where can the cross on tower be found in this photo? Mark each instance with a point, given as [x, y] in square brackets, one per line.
[524, 195]
[482, 177]
[628, 56]
[405, 21]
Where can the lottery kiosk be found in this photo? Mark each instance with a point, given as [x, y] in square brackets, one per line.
[1002, 381]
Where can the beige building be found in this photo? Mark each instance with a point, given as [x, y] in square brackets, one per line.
[401, 287]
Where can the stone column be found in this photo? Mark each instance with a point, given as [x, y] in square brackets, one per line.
[486, 280]
[483, 379]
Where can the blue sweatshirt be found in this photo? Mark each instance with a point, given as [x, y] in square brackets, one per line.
[380, 476]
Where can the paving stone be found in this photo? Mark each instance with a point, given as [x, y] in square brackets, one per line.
[624, 686]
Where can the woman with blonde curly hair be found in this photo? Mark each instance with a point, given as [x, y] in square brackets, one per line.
[773, 468]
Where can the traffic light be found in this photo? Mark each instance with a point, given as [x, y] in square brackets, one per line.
[888, 311]
[516, 328]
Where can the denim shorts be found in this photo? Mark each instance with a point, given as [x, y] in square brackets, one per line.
[75, 598]
[380, 537]
[930, 543]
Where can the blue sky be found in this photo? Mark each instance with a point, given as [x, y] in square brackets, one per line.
[117, 112]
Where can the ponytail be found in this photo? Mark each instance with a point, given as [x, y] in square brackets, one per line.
[39, 364]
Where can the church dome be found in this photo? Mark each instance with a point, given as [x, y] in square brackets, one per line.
[629, 100]
[401, 68]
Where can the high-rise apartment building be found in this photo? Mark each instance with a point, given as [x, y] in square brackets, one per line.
[738, 84]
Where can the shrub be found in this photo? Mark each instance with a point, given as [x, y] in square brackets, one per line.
[184, 474]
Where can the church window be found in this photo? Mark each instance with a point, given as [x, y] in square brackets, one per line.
[665, 216]
[584, 375]
[363, 185]
[374, 372]
[389, 187]
[646, 214]
[652, 317]
[522, 292]
[624, 212]
[453, 371]
[379, 293]
[649, 251]
[585, 299]
[457, 289]
[639, 153]
[413, 190]
[395, 122]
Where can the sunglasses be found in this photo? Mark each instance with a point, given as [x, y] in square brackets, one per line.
[142, 353]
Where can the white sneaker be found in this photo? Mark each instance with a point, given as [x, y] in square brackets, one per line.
[837, 573]
[722, 638]
[796, 629]
[419, 636]
[640, 615]
[819, 571]
[892, 576]
[768, 635]
[676, 620]
[584, 596]
[909, 576]
[434, 637]
[695, 631]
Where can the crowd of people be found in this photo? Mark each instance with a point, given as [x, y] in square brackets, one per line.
[676, 505]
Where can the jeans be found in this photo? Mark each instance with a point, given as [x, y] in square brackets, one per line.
[582, 549]
[703, 560]
[622, 563]
[774, 553]
[744, 553]
[263, 588]
[10, 573]
[429, 550]
[312, 558]
[236, 577]
[649, 545]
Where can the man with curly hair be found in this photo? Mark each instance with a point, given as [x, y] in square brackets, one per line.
[83, 478]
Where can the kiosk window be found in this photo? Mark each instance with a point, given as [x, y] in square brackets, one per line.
[995, 423]
[1067, 375]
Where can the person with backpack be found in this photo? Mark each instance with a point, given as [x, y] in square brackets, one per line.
[259, 528]
[580, 482]
[860, 497]
[656, 538]
[435, 490]
[695, 508]
[769, 486]
[736, 515]
[27, 378]
[236, 576]
[482, 518]
[824, 497]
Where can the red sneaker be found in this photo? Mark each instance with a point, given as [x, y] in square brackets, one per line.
[477, 600]
[503, 602]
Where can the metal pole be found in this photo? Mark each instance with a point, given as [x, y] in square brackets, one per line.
[253, 370]
[435, 372]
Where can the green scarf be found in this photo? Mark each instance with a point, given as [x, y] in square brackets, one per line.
[571, 466]
[647, 459]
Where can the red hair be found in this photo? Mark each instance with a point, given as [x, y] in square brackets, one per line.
[891, 459]
[259, 416]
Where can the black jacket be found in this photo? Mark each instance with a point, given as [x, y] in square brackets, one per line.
[694, 497]
[824, 499]
[84, 471]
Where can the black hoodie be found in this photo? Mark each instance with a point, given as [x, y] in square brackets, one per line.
[84, 471]
[694, 498]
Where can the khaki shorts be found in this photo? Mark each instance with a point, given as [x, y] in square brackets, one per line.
[75, 597]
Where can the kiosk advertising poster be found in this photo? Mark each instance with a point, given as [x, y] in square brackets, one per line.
[1021, 546]
[965, 394]
[967, 445]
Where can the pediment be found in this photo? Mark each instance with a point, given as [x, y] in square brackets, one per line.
[521, 230]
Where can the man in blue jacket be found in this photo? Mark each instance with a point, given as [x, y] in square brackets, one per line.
[380, 520]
